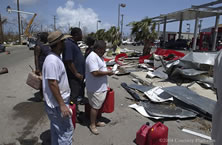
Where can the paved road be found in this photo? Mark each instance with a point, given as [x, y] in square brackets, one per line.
[18, 115]
[23, 121]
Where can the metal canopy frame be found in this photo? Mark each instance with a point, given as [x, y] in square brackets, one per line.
[193, 13]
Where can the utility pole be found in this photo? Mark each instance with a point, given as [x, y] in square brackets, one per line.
[120, 5]
[1, 29]
[121, 28]
[41, 28]
[97, 26]
[79, 24]
[54, 23]
[19, 27]
[1, 33]
[68, 27]
[22, 26]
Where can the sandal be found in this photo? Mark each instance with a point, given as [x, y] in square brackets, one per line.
[101, 124]
[94, 130]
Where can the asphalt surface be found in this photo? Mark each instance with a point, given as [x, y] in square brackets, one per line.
[23, 121]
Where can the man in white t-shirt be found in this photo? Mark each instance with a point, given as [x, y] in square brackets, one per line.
[96, 82]
[56, 92]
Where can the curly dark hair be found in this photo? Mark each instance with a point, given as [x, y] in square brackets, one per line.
[43, 37]
[75, 31]
[89, 41]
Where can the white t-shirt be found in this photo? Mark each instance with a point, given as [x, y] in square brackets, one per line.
[53, 68]
[95, 63]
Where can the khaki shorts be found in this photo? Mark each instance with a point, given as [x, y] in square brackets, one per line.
[96, 99]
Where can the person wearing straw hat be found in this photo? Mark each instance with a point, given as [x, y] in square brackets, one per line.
[56, 92]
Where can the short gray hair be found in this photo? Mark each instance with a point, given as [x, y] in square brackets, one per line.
[99, 44]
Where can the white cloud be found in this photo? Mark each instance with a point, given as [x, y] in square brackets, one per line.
[26, 2]
[70, 16]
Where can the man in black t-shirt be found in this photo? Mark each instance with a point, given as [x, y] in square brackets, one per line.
[75, 65]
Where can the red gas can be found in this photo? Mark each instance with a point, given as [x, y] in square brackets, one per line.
[73, 108]
[158, 134]
[141, 135]
[108, 105]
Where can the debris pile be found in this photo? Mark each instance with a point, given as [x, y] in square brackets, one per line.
[175, 101]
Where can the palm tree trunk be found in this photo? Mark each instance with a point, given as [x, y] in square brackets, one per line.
[147, 47]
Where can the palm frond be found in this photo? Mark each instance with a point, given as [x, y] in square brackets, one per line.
[143, 29]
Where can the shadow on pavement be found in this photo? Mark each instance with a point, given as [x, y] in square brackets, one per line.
[83, 119]
[37, 97]
[46, 137]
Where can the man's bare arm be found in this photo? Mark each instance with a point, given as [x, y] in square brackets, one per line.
[74, 70]
[53, 85]
[37, 51]
[101, 73]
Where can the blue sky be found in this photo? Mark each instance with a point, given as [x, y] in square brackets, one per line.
[70, 12]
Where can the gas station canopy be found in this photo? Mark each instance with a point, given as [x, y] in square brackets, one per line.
[186, 14]
[190, 14]
[193, 13]
[203, 11]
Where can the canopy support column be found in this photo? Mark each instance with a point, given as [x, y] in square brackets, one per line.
[181, 24]
[195, 32]
[164, 31]
[215, 32]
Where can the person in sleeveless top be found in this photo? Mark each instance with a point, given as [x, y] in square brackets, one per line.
[40, 52]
